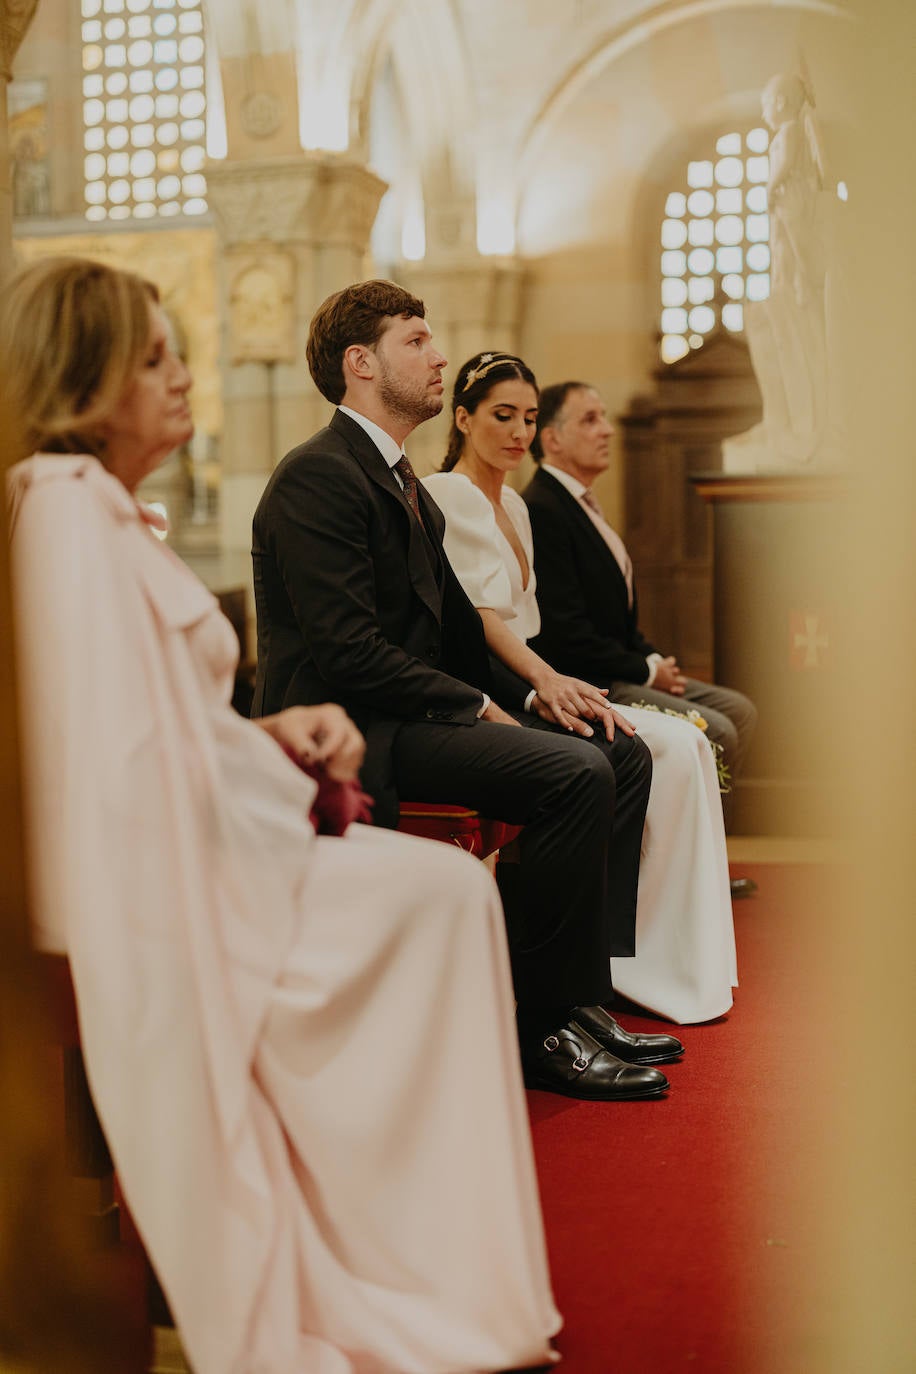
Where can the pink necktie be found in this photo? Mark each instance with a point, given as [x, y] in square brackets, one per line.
[612, 539]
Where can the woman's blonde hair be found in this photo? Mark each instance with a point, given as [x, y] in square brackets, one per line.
[72, 335]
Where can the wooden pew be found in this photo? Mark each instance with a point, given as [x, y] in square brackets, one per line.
[87, 1156]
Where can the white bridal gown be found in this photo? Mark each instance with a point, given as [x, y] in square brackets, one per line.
[685, 965]
[302, 1049]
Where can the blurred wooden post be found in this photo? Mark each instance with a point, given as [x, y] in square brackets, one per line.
[858, 1301]
[15, 18]
[63, 1308]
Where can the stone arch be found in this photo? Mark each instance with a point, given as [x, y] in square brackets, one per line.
[590, 194]
[341, 47]
[625, 37]
[427, 54]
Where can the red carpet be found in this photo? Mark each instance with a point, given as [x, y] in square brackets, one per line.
[674, 1229]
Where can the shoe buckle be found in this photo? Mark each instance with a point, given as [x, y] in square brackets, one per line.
[551, 1043]
[580, 1064]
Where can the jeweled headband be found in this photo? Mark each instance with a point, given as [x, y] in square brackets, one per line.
[484, 363]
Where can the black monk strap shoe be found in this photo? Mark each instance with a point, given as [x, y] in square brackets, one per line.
[742, 887]
[627, 1045]
[572, 1063]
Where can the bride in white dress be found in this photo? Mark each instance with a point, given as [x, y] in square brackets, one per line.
[685, 964]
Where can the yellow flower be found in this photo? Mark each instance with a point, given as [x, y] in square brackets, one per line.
[693, 715]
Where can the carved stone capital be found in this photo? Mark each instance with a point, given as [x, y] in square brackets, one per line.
[312, 199]
[15, 18]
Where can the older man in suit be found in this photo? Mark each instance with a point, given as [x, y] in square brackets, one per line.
[586, 587]
[357, 603]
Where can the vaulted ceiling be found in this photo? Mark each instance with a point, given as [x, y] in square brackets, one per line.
[484, 88]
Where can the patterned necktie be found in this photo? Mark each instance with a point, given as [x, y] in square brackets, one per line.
[613, 541]
[409, 480]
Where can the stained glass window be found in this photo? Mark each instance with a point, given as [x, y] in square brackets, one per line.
[715, 243]
[144, 108]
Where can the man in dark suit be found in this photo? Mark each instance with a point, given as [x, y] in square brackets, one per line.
[586, 589]
[357, 603]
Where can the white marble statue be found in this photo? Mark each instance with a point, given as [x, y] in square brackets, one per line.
[787, 333]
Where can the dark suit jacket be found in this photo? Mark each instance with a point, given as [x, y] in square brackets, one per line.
[587, 628]
[356, 604]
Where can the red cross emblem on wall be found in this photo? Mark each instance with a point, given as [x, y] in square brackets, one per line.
[809, 642]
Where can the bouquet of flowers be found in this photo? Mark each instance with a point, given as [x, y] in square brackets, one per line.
[693, 715]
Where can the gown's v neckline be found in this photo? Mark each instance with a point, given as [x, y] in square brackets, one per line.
[524, 569]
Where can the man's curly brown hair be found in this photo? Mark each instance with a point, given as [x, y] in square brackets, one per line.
[357, 315]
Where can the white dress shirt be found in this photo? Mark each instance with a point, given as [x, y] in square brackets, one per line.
[389, 448]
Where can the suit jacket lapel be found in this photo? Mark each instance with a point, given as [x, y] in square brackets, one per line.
[599, 552]
[421, 551]
[433, 519]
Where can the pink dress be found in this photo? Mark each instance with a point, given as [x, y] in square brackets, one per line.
[302, 1049]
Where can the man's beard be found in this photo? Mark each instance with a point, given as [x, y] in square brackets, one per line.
[410, 403]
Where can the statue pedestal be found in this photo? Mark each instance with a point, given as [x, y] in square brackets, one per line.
[776, 603]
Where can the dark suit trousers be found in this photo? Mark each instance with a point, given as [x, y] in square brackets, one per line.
[571, 901]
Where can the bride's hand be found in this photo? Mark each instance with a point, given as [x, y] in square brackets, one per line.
[319, 735]
[567, 701]
[572, 703]
[613, 718]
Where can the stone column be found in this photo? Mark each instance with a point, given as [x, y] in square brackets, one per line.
[292, 229]
[471, 304]
[15, 17]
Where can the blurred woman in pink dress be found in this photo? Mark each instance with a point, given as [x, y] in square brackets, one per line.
[301, 1048]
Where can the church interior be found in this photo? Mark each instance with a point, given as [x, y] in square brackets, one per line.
[584, 184]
